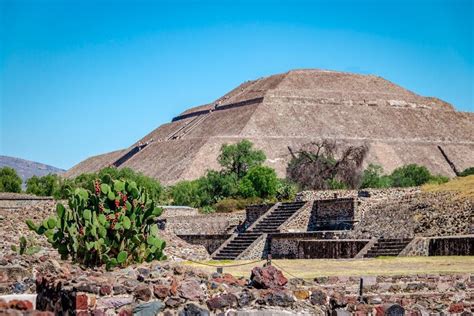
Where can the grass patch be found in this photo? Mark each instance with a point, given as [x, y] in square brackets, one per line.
[311, 268]
[463, 186]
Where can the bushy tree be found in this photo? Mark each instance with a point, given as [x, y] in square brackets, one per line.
[260, 181]
[286, 190]
[373, 177]
[410, 175]
[9, 180]
[325, 165]
[47, 185]
[239, 158]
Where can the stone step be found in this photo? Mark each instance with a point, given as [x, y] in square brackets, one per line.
[389, 246]
[269, 230]
[275, 217]
[382, 253]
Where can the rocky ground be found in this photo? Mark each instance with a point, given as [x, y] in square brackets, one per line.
[167, 288]
[172, 288]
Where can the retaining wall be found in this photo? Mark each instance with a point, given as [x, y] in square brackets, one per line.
[210, 242]
[212, 224]
[285, 245]
[329, 249]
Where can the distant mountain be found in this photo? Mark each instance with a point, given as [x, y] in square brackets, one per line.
[26, 169]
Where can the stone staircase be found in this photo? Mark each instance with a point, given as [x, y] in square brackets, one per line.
[272, 221]
[387, 247]
[266, 225]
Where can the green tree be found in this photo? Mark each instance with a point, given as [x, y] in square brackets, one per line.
[373, 177]
[47, 185]
[239, 158]
[410, 176]
[260, 181]
[9, 180]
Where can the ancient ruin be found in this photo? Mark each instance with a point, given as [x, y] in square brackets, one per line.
[297, 107]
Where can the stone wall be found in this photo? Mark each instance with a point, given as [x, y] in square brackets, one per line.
[218, 223]
[332, 214]
[440, 246]
[361, 194]
[452, 246]
[253, 212]
[173, 211]
[285, 245]
[329, 249]
[210, 242]
[15, 201]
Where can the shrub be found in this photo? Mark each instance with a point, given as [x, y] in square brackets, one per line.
[108, 175]
[439, 179]
[260, 181]
[373, 177]
[47, 185]
[114, 226]
[207, 209]
[467, 172]
[410, 176]
[286, 190]
[333, 184]
[217, 185]
[186, 193]
[227, 205]
[9, 180]
[234, 204]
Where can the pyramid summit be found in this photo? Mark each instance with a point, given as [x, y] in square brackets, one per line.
[297, 107]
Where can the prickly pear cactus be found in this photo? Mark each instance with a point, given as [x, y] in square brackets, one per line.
[115, 226]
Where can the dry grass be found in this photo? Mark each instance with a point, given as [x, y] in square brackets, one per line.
[463, 186]
[308, 269]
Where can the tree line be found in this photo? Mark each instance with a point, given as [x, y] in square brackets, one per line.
[243, 179]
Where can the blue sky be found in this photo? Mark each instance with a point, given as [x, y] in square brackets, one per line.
[79, 78]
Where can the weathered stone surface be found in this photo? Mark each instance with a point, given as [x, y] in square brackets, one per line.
[301, 294]
[148, 309]
[318, 297]
[276, 297]
[222, 301]
[161, 291]
[142, 292]
[191, 289]
[267, 277]
[193, 310]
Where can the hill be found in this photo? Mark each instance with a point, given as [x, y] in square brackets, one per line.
[298, 107]
[26, 168]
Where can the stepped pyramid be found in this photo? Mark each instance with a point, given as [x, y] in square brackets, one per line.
[297, 107]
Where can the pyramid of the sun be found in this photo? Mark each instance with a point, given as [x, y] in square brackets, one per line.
[297, 107]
